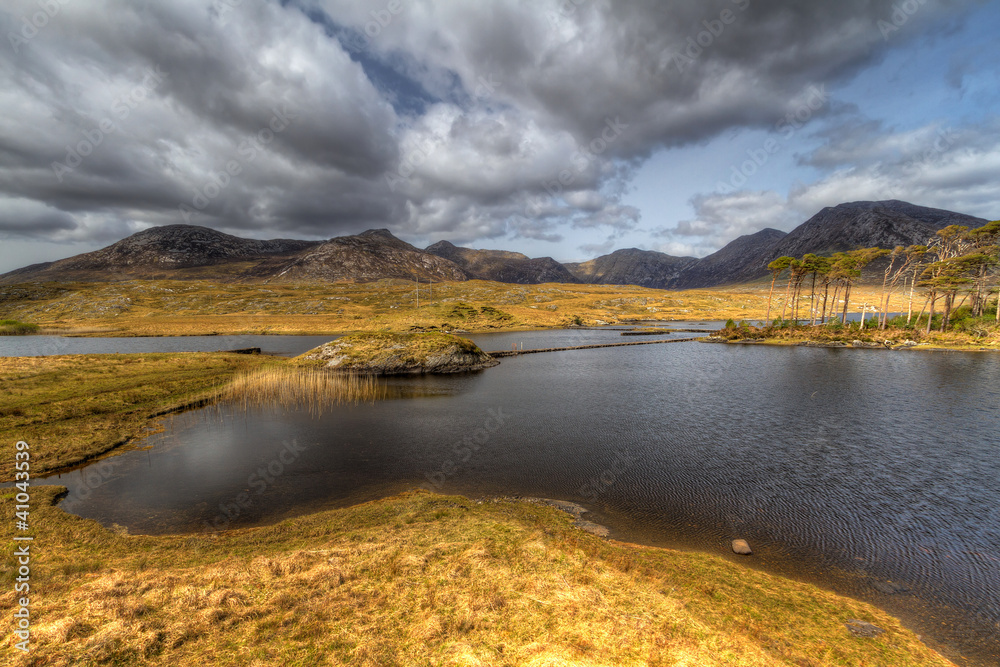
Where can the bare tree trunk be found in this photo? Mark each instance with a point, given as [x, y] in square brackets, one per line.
[947, 312]
[833, 303]
[767, 317]
[930, 315]
[812, 302]
[847, 301]
[784, 304]
[864, 312]
[909, 308]
[916, 323]
[822, 314]
[883, 298]
[795, 301]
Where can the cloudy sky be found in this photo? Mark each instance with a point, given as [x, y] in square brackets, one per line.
[562, 128]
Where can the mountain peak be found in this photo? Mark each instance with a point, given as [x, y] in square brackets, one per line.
[379, 233]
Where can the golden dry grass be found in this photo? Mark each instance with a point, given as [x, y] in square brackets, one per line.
[196, 307]
[421, 579]
[295, 387]
[176, 307]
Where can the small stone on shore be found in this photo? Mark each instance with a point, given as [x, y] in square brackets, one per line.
[742, 547]
[863, 628]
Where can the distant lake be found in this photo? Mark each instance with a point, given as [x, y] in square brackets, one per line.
[873, 473]
[38, 346]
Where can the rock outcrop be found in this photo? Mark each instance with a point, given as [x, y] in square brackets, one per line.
[399, 354]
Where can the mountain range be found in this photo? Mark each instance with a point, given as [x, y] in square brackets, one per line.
[186, 251]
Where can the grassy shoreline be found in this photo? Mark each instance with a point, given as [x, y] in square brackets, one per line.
[984, 338]
[76, 408]
[422, 579]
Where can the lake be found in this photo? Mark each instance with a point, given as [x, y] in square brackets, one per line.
[872, 473]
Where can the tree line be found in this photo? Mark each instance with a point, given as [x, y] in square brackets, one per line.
[956, 262]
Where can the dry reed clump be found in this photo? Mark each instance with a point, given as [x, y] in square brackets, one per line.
[316, 389]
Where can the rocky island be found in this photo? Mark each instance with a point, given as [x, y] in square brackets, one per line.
[383, 353]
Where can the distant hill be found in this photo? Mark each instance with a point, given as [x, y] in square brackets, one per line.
[504, 266]
[186, 251]
[370, 256]
[158, 252]
[632, 266]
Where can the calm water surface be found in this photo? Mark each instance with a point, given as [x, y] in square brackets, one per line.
[873, 473]
[39, 346]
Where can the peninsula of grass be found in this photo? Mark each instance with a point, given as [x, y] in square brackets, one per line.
[965, 333]
[15, 328]
[387, 353]
[418, 579]
[74, 408]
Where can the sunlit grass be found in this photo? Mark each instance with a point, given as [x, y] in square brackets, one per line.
[421, 579]
[15, 328]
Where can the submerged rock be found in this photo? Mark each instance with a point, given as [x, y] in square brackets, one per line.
[399, 354]
[742, 547]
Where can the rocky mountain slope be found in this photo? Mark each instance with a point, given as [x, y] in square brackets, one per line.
[504, 266]
[185, 251]
[632, 266]
[372, 255]
[862, 224]
[719, 267]
[157, 252]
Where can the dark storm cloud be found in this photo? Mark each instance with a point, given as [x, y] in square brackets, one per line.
[459, 120]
